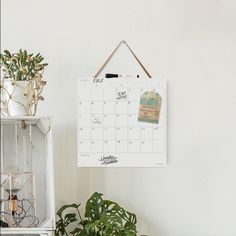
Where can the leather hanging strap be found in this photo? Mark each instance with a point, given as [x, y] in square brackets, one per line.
[112, 54]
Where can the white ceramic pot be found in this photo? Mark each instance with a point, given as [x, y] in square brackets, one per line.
[16, 100]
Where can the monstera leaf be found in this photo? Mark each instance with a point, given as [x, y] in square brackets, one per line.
[114, 208]
[128, 219]
[94, 207]
[66, 219]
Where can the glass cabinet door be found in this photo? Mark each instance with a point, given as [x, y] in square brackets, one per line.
[27, 193]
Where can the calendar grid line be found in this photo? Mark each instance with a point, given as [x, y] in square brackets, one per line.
[140, 143]
[152, 137]
[90, 146]
[114, 101]
[121, 139]
[115, 120]
[107, 126]
[146, 152]
[103, 122]
[127, 130]
[85, 113]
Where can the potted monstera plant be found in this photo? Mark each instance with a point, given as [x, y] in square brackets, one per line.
[102, 218]
[21, 82]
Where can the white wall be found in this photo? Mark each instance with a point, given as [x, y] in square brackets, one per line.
[190, 43]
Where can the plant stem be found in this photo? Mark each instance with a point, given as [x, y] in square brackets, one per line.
[80, 217]
[66, 233]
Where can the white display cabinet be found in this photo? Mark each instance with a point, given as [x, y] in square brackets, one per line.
[27, 184]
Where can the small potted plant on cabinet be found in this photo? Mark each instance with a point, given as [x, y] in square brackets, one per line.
[21, 82]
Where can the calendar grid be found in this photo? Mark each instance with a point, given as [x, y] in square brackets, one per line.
[109, 126]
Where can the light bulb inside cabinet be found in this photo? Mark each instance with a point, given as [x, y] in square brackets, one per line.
[20, 200]
[12, 204]
[15, 181]
[12, 187]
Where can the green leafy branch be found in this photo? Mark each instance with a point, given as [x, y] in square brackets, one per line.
[21, 65]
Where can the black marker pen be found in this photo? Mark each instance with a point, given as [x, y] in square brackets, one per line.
[109, 75]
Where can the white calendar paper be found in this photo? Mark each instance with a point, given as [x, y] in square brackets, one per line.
[109, 133]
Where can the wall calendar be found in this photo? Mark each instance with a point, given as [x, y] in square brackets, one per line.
[122, 122]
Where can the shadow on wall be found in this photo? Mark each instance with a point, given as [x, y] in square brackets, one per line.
[71, 183]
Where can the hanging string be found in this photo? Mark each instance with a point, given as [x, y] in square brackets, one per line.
[112, 54]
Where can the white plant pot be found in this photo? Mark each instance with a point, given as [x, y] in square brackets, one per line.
[17, 101]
